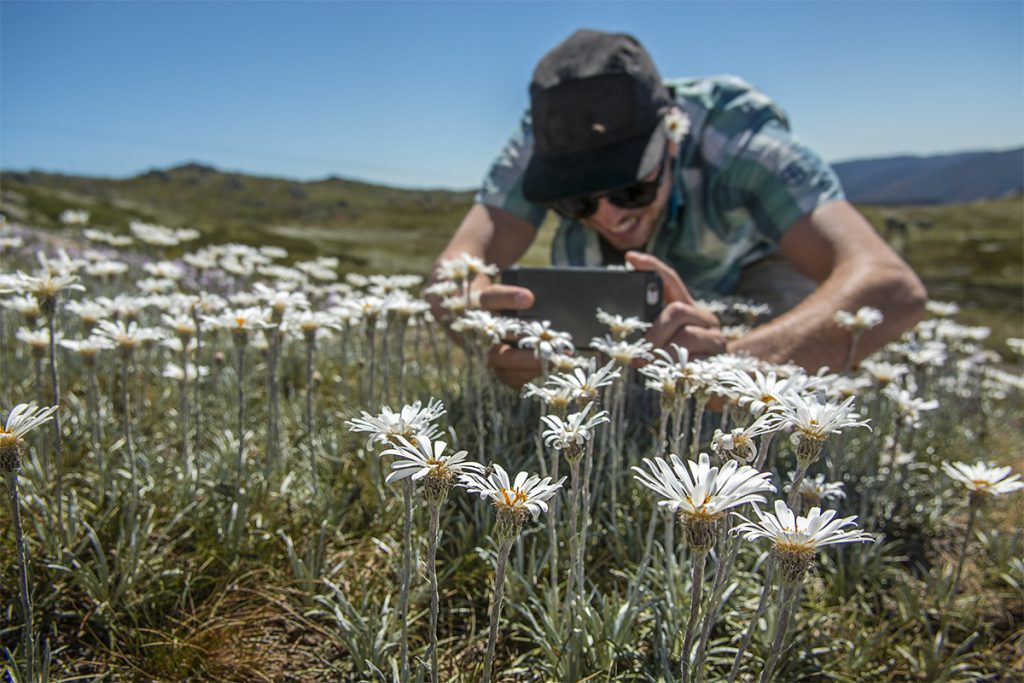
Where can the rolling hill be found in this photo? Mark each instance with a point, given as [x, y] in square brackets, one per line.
[940, 179]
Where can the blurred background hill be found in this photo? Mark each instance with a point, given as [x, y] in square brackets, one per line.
[965, 239]
[937, 179]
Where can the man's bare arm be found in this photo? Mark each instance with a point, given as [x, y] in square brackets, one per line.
[501, 238]
[836, 246]
[492, 234]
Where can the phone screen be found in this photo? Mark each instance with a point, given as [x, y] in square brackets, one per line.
[569, 297]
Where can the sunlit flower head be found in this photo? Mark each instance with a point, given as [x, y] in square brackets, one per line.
[758, 392]
[943, 309]
[516, 500]
[559, 400]
[240, 321]
[738, 443]
[25, 305]
[174, 371]
[677, 124]
[797, 539]
[574, 431]
[816, 490]
[587, 385]
[47, 285]
[410, 422]
[907, 406]
[37, 340]
[464, 267]
[483, 327]
[423, 458]
[621, 327]
[884, 373]
[73, 217]
[865, 318]
[545, 342]
[701, 494]
[22, 419]
[127, 336]
[623, 352]
[813, 421]
[984, 479]
[165, 270]
[88, 348]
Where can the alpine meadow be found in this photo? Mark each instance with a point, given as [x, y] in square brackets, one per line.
[238, 447]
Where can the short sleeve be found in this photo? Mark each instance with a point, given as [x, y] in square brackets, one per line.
[502, 186]
[777, 179]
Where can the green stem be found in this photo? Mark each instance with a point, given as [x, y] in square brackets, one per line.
[495, 612]
[27, 634]
[435, 516]
[785, 612]
[699, 559]
[403, 598]
[769, 572]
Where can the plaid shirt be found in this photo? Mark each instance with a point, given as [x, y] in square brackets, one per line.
[741, 179]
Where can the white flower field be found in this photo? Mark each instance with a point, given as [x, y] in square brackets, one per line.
[223, 465]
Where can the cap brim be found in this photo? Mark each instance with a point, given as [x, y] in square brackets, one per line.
[549, 179]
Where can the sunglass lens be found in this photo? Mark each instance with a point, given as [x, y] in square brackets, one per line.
[575, 207]
[634, 196]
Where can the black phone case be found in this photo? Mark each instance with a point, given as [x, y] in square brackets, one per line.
[570, 297]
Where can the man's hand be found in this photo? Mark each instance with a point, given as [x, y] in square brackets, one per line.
[515, 367]
[682, 321]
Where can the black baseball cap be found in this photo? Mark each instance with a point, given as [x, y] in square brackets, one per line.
[597, 104]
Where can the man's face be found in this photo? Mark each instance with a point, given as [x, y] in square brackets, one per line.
[628, 229]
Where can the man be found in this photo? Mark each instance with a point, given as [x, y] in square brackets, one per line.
[698, 179]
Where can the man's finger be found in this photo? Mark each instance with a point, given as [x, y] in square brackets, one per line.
[505, 298]
[514, 367]
[700, 341]
[675, 317]
[507, 357]
[673, 287]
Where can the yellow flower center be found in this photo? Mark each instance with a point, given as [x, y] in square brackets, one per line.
[513, 497]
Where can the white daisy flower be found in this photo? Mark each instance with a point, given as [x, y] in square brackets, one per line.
[22, 419]
[545, 342]
[943, 309]
[815, 490]
[587, 385]
[908, 407]
[127, 336]
[796, 539]
[422, 458]
[697, 489]
[738, 443]
[623, 352]
[984, 479]
[621, 327]
[813, 421]
[412, 420]
[702, 494]
[574, 431]
[89, 347]
[526, 493]
[865, 318]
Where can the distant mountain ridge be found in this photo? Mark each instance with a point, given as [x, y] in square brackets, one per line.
[937, 179]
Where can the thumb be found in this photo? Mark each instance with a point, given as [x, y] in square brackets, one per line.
[673, 287]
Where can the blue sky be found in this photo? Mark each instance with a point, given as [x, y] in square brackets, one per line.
[423, 94]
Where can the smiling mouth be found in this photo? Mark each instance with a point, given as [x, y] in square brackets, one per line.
[624, 227]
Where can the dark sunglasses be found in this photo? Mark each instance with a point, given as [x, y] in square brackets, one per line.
[635, 196]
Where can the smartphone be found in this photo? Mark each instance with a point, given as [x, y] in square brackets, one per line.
[570, 297]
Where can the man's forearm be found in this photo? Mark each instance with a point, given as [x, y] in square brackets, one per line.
[808, 334]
